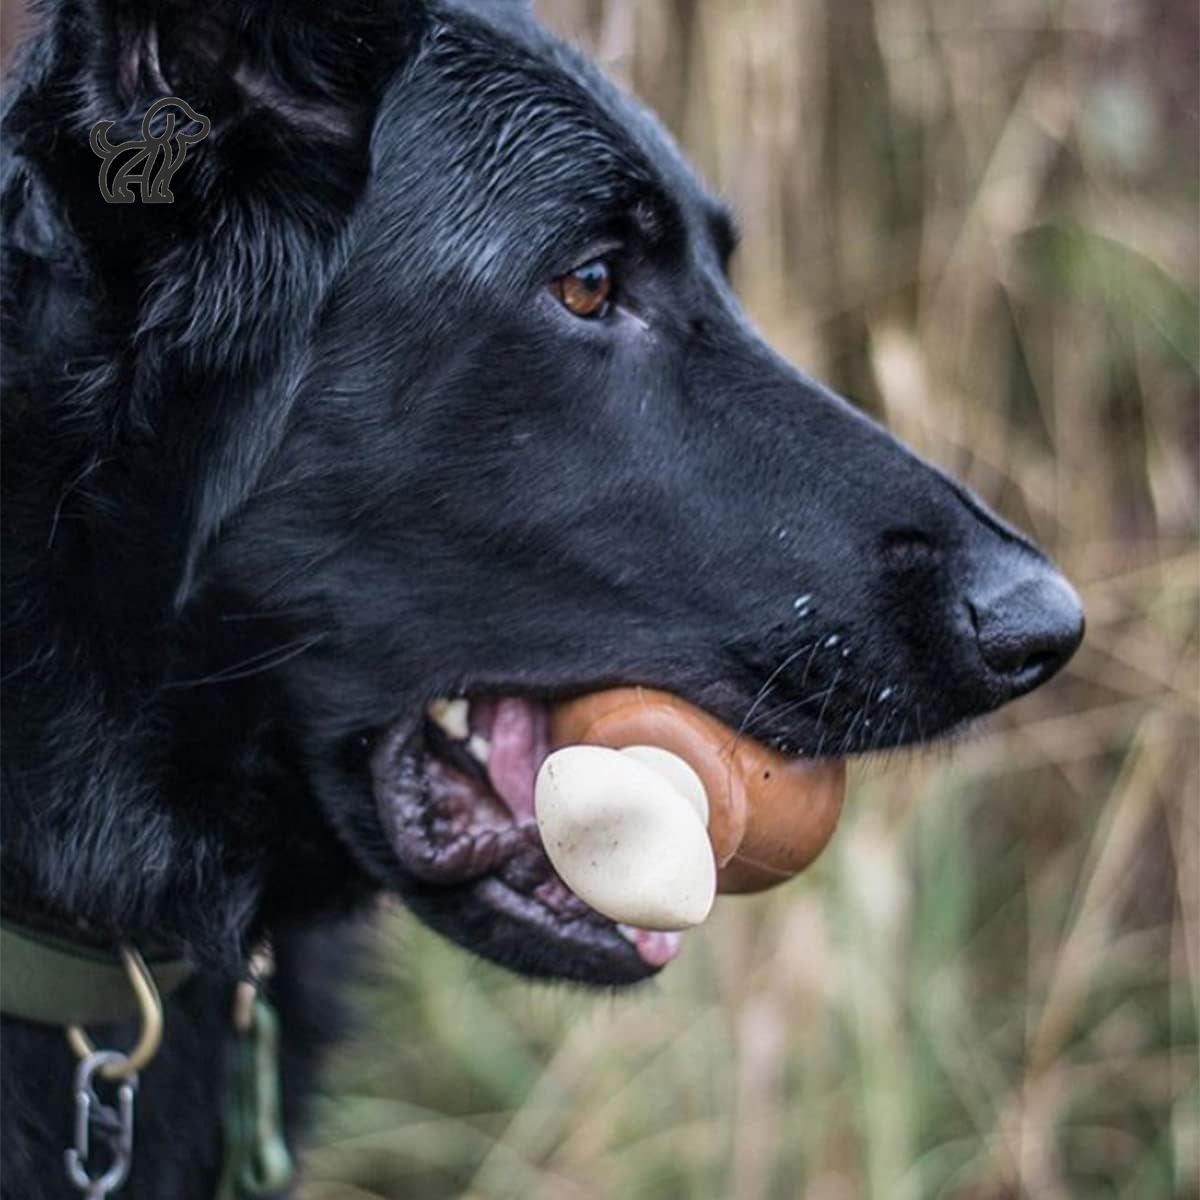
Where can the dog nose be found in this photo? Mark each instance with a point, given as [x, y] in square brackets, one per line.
[1027, 626]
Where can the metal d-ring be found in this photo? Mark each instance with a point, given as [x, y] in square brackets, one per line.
[150, 1004]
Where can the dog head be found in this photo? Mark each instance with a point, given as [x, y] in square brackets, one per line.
[429, 384]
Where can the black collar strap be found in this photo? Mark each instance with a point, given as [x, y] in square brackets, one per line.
[48, 979]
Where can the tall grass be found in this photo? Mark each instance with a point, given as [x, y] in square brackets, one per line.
[979, 220]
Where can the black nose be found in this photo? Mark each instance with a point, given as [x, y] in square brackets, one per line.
[1027, 626]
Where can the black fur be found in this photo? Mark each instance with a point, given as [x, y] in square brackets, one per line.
[288, 458]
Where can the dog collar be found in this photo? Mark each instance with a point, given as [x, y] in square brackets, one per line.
[57, 982]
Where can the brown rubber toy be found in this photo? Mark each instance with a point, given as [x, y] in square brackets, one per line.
[769, 816]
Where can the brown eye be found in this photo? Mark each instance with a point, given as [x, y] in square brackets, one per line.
[585, 291]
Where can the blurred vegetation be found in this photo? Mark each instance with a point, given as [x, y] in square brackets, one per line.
[980, 221]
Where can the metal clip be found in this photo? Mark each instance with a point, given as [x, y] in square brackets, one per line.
[146, 990]
[112, 1125]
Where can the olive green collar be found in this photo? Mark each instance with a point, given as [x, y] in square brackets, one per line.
[58, 982]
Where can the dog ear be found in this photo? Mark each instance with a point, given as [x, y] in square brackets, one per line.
[289, 90]
[309, 66]
[190, 309]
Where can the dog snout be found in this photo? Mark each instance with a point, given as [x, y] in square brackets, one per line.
[1028, 622]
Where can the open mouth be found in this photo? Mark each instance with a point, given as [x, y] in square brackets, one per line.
[456, 799]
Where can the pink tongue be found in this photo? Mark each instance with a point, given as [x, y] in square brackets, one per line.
[519, 737]
[656, 949]
[518, 746]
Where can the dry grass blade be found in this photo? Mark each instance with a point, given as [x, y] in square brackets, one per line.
[978, 221]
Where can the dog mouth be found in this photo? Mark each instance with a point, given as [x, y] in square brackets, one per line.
[456, 802]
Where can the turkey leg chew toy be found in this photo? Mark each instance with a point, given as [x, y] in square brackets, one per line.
[649, 806]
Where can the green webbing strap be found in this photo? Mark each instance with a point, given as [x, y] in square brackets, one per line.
[48, 979]
[257, 1161]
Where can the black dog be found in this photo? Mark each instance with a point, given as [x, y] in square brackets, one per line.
[428, 383]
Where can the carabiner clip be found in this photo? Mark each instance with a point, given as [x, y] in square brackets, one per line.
[114, 1126]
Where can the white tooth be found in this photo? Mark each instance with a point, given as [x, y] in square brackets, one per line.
[628, 932]
[479, 747]
[452, 716]
[625, 837]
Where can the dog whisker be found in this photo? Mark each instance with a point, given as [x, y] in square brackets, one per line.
[266, 660]
[847, 741]
[770, 716]
[764, 690]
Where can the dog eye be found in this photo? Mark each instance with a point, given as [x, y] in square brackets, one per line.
[586, 291]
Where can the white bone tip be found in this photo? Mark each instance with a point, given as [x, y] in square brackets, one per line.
[625, 829]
